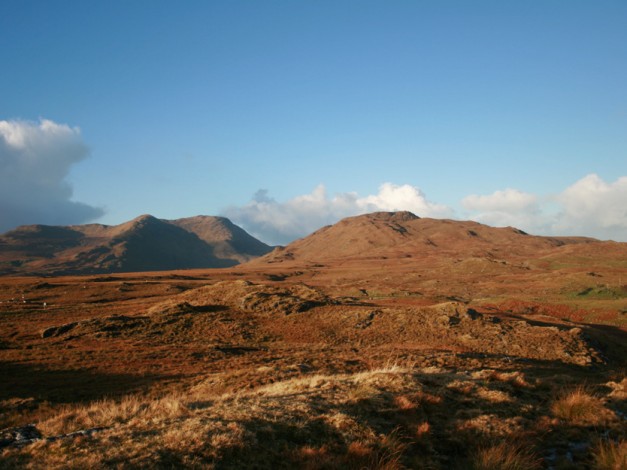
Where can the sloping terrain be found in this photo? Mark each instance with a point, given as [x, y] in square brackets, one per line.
[385, 342]
[227, 239]
[382, 235]
[402, 259]
[198, 372]
[143, 244]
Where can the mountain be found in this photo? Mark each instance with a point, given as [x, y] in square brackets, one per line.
[227, 239]
[142, 244]
[389, 235]
[400, 256]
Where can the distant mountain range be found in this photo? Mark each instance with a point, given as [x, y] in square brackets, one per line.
[150, 244]
[142, 244]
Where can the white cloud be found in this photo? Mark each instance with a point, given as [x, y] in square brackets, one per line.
[590, 207]
[594, 207]
[35, 159]
[404, 198]
[282, 222]
[509, 207]
[507, 200]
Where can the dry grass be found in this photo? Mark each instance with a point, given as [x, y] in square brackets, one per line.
[610, 455]
[402, 420]
[516, 378]
[131, 409]
[505, 456]
[580, 407]
[230, 389]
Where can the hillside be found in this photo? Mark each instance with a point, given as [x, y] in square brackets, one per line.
[401, 258]
[403, 234]
[142, 244]
[384, 341]
[207, 371]
[227, 239]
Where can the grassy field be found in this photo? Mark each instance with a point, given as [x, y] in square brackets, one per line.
[208, 370]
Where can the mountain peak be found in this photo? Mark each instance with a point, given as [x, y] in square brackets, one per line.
[398, 216]
[144, 218]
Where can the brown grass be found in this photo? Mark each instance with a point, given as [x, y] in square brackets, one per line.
[609, 455]
[505, 456]
[106, 413]
[218, 387]
[580, 407]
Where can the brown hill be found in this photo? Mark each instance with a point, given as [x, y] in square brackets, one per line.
[382, 235]
[142, 244]
[227, 239]
[404, 258]
[385, 341]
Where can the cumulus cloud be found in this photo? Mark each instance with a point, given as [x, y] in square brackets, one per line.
[509, 207]
[35, 159]
[507, 200]
[281, 222]
[594, 206]
[590, 207]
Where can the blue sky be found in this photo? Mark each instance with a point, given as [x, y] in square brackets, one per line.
[510, 113]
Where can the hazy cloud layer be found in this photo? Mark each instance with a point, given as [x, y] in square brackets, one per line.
[35, 158]
[281, 222]
[589, 207]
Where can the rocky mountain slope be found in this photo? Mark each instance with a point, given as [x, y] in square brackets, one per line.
[142, 244]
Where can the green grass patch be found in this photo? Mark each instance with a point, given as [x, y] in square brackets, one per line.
[599, 292]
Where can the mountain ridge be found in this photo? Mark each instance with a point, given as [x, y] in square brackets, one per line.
[144, 243]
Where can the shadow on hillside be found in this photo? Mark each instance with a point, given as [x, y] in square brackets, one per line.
[436, 420]
[610, 340]
[14, 461]
[66, 386]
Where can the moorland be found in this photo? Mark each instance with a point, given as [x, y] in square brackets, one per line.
[384, 341]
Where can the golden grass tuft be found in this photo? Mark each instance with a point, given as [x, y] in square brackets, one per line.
[505, 456]
[516, 378]
[609, 455]
[390, 452]
[131, 409]
[423, 429]
[580, 407]
[494, 396]
[465, 387]
[405, 403]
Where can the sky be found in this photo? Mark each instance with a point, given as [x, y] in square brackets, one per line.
[289, 115]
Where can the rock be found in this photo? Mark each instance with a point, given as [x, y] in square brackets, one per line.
[58, 330]
[19, 435]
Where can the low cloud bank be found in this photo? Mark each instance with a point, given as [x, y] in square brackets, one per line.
[282, 222]
[35, 159]
[509, 207]
[590, 207]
